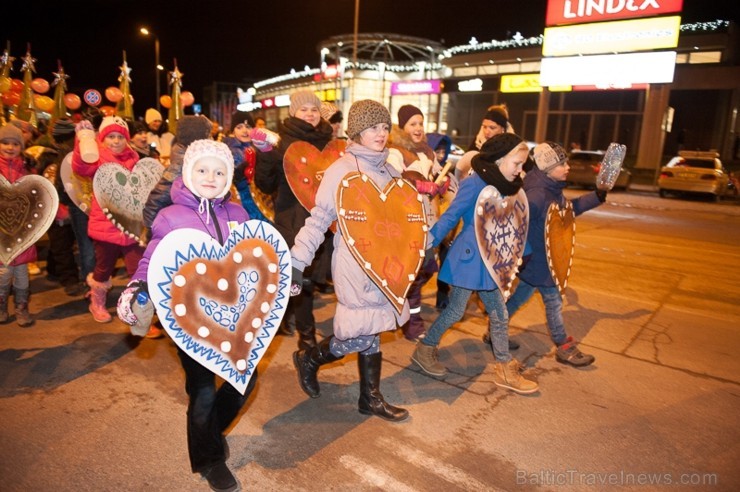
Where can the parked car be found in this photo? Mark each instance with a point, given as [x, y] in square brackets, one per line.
[585, 166]
[694, 172]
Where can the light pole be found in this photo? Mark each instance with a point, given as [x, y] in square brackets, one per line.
[157, 66]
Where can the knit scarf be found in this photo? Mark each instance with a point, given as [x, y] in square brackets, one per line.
[491, 174]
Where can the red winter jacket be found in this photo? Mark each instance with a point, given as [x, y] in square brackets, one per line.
[99, 227]
[13, 170]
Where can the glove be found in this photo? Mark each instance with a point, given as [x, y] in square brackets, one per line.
[427, 187]
[296, 282]
[83, 125]
[259, 140]
[127, 299]
[601, 195]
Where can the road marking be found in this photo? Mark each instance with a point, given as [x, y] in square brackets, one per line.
[430, 463]
[372, 475]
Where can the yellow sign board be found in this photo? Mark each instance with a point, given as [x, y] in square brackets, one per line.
[612, 37]
[526, 82]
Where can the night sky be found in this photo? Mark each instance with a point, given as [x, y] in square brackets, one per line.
[236, 41]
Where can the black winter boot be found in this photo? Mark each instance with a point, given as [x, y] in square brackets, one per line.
[371, 401]
[306, 337]
[22, 316]
[307, 364]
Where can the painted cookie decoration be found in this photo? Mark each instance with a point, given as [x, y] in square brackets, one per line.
[27, 210]
[560, 242]
[222, 305]
[501, 225]
[78, 188]
[386, 231]
[305, 165]
[122, 194]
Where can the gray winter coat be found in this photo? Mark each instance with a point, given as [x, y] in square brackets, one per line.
[362, 308]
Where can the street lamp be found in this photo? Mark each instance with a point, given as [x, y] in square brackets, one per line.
[157, 66]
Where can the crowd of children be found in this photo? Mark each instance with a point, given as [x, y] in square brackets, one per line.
[195, 191]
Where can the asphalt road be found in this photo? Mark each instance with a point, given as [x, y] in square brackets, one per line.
[653, 295]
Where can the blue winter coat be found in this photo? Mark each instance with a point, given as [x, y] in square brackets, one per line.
[463, 266]
[541, 191]
[183, 213]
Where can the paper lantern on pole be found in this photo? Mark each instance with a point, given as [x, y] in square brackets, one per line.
[113, 94]
[108, 110]
[165, 101]
[40, 85]
[72, 101]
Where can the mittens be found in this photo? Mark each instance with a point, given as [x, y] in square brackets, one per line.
[296, 282]
[259, 140]
[127, 299]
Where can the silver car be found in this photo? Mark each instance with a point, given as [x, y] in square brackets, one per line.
[694, 172]
[584, 167]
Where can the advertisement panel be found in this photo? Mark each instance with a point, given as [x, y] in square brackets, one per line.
[415, 87]
[561, 12]
[612, 37]
[609, 70]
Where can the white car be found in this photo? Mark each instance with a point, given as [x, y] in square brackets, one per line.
[694, 172]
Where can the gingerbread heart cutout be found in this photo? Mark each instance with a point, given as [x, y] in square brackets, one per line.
[560, 242]
[386, 231]
[79, 189]
[304, 167]
[27, 210]
[222, 305]
[122, 194]
[501, 225]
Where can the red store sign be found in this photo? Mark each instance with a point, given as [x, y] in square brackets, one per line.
[561, 12]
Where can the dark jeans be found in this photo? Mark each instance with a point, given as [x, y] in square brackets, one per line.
[84, 243]
[210, 412]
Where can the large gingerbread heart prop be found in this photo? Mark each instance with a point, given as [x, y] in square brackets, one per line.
[27, 210]
[386, 231]
[79, 189]
[501, 225]
[560, 242]
[122, 194]
[222, 305]
[305, 165]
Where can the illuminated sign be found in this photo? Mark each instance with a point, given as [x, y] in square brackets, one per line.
[609, 70]
[416, 87]
[282, 100]
[582, 11]
[331, 72]
[525, 83]
[472, 85]
[609, 37]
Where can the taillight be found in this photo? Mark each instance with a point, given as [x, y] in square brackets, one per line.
[666, 174]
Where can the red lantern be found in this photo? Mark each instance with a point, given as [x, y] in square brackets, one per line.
[40, 85]
[72, 101]
[16, 85]
[11, 98]
[113, 94]
[165, 101]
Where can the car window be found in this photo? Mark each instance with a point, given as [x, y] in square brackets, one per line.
[700, 163]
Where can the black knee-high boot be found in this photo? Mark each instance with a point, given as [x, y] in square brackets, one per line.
[371, 401]
[307, 364]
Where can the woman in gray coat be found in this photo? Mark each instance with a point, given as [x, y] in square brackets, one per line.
[363, 311]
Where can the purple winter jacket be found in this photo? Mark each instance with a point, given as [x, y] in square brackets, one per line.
[183, 213]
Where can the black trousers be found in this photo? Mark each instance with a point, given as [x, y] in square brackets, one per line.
[60, 260]
[210, 412]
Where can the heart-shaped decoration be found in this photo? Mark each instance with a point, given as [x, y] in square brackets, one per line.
[27, 210]
[79, 189]
[122, 194]
[222, 305]
[501, 225]
[304, 167]
[386, 231]
[560, 242]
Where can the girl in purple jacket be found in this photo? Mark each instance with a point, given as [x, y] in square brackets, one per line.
[200, 200]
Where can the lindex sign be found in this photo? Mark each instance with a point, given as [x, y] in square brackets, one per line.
[561, 12]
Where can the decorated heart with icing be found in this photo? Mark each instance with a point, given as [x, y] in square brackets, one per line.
[560, 242]
[27, 210]
[305, 165]
[122, 194]
[501, 225]
[386, 231]
[79, 189]
[222, 305]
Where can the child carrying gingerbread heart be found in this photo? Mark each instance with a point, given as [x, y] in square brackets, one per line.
[200, 200]
[111, 145]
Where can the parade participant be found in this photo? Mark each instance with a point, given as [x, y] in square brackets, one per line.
[158, 136]
[331, 113]
[304, 124]
[363, 311]
[495, 122]
[419, 166]
[139, 141]
[242, 146]
[442, 145]
[498, 164]
[13, 167]
[544, 185]
[29, 135]
[108, 241]
[200, 200]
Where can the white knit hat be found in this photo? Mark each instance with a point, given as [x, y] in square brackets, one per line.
[549, 155]
[112, 124]
[152, 115]
[207, 148]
